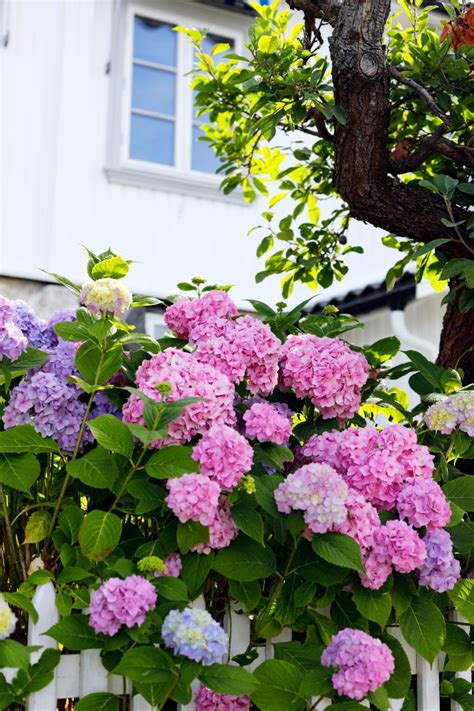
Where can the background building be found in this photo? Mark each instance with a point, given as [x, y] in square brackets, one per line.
[98, 147]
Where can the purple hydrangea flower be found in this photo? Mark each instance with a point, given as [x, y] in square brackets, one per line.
[12, 340]
[441, 570]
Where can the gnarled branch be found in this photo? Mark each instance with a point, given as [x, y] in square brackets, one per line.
[421, 91]
[326, 10]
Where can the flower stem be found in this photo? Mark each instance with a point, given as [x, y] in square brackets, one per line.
[170, 691]
[10, 537]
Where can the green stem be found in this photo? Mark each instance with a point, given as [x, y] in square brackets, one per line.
[279, 585]
[128, 478]
[10, 536]
[77, 447]
[170, 691]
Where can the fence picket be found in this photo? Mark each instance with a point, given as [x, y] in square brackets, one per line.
[44, 601]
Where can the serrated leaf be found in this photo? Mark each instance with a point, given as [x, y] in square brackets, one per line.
[99, 534]
[423, 627]
[19, 471]
[338, 549]
[112, 434]
[24, 439]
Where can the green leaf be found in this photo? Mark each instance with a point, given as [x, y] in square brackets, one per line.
[40, 674]
[268, 44]
[171, 462]
[72, 574]
[195, 571]
[147, 665]
[249, 522]
[379, 699]
[171, 588]
[279, 686]
[226, 679]
[457, 641]
[245, 560]
[460, 491]
[423, 627]
[99, 534]
[100, 701]
[399, 683]
[19, 471]
[384, 349]
[75, 633]
[97, 469]
[338, 549]
[23, 439]
[462, 595]
[112, 434]
[96, 368]
[272, 455]
[429, 247]
[114, 268]
[432, 373]
[13, 654]
[24, 603]
[69, 521]
[317, 682]
[346, 706]
[37, 527]
[190, 534]
[72, 331]
[372, 604]
[248, 594]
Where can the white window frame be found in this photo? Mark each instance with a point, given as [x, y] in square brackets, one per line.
[152, 319]
[180, 178]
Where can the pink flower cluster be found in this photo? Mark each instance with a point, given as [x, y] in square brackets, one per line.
[375, 463]
[241, 348]
[266, 423]
[193, 497]
[173, 565]
[121, 602]
[396, 544]
[207, 700]
[422, 503]
[365, 663]
[319, 492]
[188, 378]
[327, 371]
[361, 522]
[222, 531]
[224, 455]
[185, 316]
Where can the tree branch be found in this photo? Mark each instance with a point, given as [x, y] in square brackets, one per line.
[461, 155]
[421, 91]
[326, 10]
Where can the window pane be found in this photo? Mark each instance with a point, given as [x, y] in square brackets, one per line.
[153, 90]
[152, 139]
[204, 158]
[154, 41]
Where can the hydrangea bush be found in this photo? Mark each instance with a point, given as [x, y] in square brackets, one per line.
[254, 462]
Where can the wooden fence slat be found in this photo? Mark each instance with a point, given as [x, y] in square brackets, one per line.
[93, 676]
[427, 684]
[67, 676]
[44, 601]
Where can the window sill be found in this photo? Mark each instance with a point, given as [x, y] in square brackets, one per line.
[196, 185]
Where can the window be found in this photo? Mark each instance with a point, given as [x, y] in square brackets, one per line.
[155, 128]
[155, 324]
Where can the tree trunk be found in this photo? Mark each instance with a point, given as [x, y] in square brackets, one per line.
[364, 175]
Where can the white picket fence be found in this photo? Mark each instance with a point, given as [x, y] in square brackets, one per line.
[80, 674]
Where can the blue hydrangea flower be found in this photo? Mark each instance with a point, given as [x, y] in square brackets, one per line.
[194, 634]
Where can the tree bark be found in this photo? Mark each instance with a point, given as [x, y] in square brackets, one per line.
[364, 173]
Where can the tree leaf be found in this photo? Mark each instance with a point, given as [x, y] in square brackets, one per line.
[100, 701]
[112, 434]
[99, 534]
[338, 549]
[19, 471]
[423, 627]
[97, 469]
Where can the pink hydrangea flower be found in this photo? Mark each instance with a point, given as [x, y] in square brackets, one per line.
[121, 602]
[224, 455]
[318, 491]
[327, 371]
[265, 423]
[361, 522]
[422, 503]
[186, 318]
[396, 544]
[376, 463]
[222, 531]
[364, 663]
[207, 700]
[188, 378]
[173, 564]
[193, 497]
